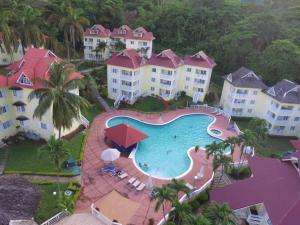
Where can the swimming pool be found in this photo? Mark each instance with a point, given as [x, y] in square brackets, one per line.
[164, 153]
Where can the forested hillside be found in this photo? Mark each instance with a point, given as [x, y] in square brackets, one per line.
[264, 37]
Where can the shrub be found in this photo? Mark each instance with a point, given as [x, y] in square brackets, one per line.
[240, 173]
[182, 94]
[199, 200]
[210, 97]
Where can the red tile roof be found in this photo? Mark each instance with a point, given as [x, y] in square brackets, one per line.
[35, 63]
[3, 81]
[128, 58]
[166, 58]
[199, 59]
[124, 135]
[126, 32]
[274, 183]
[98, 31]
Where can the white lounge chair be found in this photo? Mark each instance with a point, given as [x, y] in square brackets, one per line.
[136, 183]
[131, 180]
[141, 187]
[123, 175]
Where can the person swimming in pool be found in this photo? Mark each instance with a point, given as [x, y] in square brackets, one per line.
[169, 151]
[175, 136]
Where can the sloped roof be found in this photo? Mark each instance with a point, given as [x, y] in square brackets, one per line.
[126, 32]
[274, 183]
[244, 77]
[166, 58]
[128, 58]
[98, 31]
[35, 63]
[124, 135]
[199, 59]
[285, 91]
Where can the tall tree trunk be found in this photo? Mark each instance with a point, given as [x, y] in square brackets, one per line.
[59, 133]
[68, 51]
[163, 208]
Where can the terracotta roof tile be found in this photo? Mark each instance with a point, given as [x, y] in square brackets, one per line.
[128, 58]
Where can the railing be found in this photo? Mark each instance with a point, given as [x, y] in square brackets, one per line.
[166, 86]
[199, 83]
[211, 109]
[255, 219]
[167, 77]
[285, 112]
[55, 219]
[84, 121]
[104, 220]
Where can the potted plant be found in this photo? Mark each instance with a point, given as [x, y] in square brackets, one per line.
[196, 148]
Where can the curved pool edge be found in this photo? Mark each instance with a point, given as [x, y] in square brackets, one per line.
[188, 150]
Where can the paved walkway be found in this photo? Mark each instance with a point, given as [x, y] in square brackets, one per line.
[95, 187]
[79, 219]
[59, 179]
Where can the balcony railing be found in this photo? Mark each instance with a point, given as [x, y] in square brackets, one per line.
[167, 77]
[199, 84]
[241, 95]
[166, 86]
[202, 76]
[129, 87]
[285, 112]
[127, 77]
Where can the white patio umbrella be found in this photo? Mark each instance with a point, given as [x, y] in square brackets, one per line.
[149, 183]
[110, 154]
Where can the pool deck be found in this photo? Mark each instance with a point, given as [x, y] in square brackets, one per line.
[95, 186]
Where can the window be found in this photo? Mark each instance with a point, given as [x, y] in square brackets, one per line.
[152, 89]
[189, 69]
[24, 80]
[252, 102]
[187, 78]
[186, 87]
[85, 39]
[44, 126]
[250, 110]
[7, 124]
[255, 92]
[1, 94]
[23, 123]
[98, 40]
[21, 108]
[114, 81]
[114, 90]
[152, 79]
[3, 109]
[203, 72]
[144, 43]
[132, 42]
[90, 48]
[126, 72]
[17, 93]
[114, 70]
[297, 119]
[154, 70]
[91, 39]
[293, 128]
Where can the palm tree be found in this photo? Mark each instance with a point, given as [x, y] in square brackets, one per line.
[224, 162]
[247, 138]
[201, 220]
[56, 150]
[259, 127]
[119, 46]
[72, 27]
[56, 94]
[232, 142]
[162, 195]
[220, 214]
[213, 149]
[27, 27]
[178, 186]
[181, 214]
[101, 47]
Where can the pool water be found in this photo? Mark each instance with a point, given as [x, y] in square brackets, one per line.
[164, 153]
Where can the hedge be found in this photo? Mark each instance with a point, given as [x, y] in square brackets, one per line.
[83, 144]
[199, 200]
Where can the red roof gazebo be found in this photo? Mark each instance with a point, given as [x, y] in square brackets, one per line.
[124, 137]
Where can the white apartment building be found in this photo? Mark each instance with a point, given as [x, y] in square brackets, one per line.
[245, 95]
[138, 39]
[165, 74]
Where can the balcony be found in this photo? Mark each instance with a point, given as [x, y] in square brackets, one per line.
[201, 76]
[88, 43]
[128, 78]
[199, 84]
[167, 77]
[166, 86]
[128, 87]
[239, 104]
[241, 95]
[284, 112]
[256, 219]
[281, 122]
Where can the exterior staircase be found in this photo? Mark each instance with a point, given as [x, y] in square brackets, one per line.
[217, 182]
[84, 121]
[255, 219]
[117, 101]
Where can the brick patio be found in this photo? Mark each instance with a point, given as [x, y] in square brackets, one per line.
[95, 186]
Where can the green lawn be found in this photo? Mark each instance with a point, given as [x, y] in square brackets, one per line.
[48, 206]
[148, 104]
[272, 146]
[23, 156]
[93, 111]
